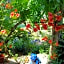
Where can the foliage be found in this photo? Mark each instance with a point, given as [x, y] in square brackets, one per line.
[44, 13]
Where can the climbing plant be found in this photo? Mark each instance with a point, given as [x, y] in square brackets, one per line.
[47, 13]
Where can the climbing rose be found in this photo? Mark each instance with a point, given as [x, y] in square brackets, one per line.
[45, 38]
[44, 26]
[50, 41]
[35, 29]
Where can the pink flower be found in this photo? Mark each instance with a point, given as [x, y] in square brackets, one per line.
[12, 14]
[3, 31]
[17, 15]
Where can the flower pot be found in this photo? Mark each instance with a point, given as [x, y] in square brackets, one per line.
[1, 58]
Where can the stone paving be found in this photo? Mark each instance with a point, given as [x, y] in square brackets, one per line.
[43, 57]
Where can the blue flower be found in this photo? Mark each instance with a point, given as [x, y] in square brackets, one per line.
[29, 32]
[37, 40]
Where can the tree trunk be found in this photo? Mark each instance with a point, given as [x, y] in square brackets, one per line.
[54, 39]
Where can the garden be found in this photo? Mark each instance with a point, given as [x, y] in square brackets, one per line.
[31, 31]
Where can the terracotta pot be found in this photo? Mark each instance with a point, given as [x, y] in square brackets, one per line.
[1, 58]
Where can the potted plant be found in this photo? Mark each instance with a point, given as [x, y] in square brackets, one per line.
[1, 52]
[2, 58]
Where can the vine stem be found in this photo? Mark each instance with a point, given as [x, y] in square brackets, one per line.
[12, 30]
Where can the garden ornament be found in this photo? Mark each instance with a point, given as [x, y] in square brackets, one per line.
[26, 60]
[35, 59]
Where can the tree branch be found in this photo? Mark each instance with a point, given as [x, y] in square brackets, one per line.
[12, 30]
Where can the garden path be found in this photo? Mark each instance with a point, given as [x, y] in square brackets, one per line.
[43, 57]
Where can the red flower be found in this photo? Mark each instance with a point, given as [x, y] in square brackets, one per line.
[58, 18]
[57, 44]
[1, 44]
[57, 28]
[50, 24]
[42, 20]
[52, 57]
[12, 14]
[50, 15]
[37, 26]
[17, 15]
[15, 10]
[45, 38]
[28, 26]
[8, 6]
[50, 41]
[35, 29]
[3, 31]
[51, 20]
[10, 46]
[45, 26]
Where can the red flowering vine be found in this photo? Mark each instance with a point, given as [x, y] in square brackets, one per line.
[56, 44]
[45, 26]
[35, 29]
[45, 38]
[50, 41]
[28, 26]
